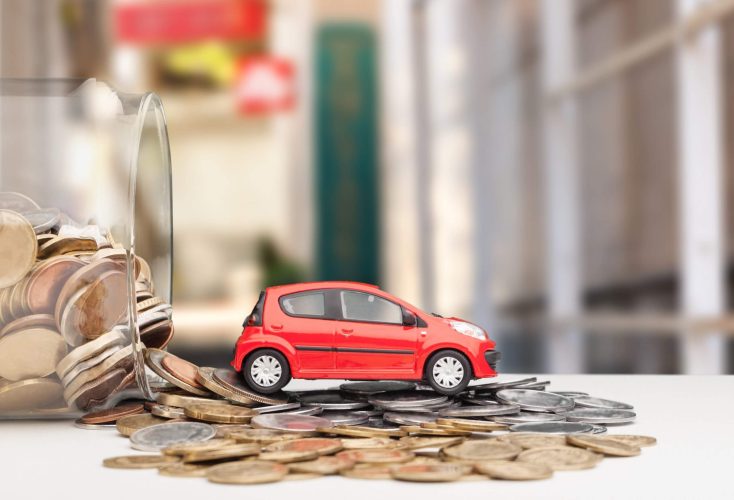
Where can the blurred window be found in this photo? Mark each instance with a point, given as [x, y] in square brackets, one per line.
[304, 304]
[359, 306]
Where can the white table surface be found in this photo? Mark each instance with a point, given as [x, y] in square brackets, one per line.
[691, 417]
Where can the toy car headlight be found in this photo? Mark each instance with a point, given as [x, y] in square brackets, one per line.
[468, 329]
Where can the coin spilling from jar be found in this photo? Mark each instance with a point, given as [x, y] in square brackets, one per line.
[65, 341]
[212, 426]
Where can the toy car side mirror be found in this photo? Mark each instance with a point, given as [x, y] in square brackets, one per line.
[409, 319]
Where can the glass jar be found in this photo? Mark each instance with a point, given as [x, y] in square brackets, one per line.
[85, 245]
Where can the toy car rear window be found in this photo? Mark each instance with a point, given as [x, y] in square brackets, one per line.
[307, 304]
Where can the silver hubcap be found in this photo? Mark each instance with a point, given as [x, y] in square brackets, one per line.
[448, 372]
[266, 371]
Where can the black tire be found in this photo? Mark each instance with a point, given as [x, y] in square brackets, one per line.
[253, 384]
[446, 356]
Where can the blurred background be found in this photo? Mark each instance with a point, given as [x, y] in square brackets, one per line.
[555, 171]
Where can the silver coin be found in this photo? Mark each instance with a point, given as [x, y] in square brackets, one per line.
[94, 427]
[406, 409]
[330, 401]
[151, 317]
[571, 394]
[599, 429]
[157, 437]
[409, 418]
[306, 410]
[480, 411]
[346, 417]
[496, 386]
[369, 387]
[379, 423]
[480, 400]
[289, 422]
[529, 399]
[537, 386]
[527, 417]
[17, 202]
[277, 408]
[554, 428]
[607, 416]
[42, 220]
[407, 399]
[591, 402]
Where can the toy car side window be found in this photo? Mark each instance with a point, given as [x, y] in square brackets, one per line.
[305, 304]
[360, 306]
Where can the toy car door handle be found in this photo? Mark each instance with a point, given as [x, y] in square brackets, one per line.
[276, 327]
[347, 330]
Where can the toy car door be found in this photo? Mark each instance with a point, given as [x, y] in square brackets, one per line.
[371, 337]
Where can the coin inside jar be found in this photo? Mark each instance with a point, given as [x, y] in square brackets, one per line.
[30, 353]
[18, 247]
[46, 281]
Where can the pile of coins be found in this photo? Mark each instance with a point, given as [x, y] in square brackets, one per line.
[208, 424]
[64, 312]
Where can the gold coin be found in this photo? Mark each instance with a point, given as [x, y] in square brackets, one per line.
[603, 445]
[322, 446]
[362, 432]
[368, 471]
[213, 412]
[471, 425]
[184, 470]
[29, 394]
[128, 425]
[61, 245]
[18, 247]
[369, 443]
[417, 442]
[165, 411]
[263, 436]
[222, 452]
[288, 456]
[322, 465]
[30, 353]
[429, 473]
[483, 449]
[184, 448]
[560, 457]
[253, 472]
[426, 431]
[514, 471]
[377, 456]
[527, 440]
[139, 461]
[632, 440]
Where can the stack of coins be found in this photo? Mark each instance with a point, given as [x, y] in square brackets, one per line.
[210, 425]
[64, 311]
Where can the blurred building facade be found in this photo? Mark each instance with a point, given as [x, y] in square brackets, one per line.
[557, 172]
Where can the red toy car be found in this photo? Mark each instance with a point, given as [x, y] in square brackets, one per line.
[356, 331]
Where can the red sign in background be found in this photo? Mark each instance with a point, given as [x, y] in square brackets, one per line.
[180, 21]
[265, 84]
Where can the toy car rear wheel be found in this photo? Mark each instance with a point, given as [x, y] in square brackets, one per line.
[266, 371]
[448, 372]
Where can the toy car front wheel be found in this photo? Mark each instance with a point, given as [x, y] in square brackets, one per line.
[448, 372]
[266, 371]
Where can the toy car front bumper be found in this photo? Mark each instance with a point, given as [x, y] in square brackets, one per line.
[493, 358]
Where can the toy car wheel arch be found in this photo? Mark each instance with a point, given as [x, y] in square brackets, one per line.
[266, 371]
[448, 372]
